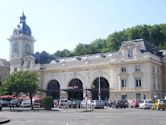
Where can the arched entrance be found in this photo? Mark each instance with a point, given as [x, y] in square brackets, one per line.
[75, 90]
[104, 89]
[53, 89]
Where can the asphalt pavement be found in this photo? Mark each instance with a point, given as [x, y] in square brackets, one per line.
[107, 116]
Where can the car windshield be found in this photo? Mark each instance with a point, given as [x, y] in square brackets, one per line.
[148, 101]
[163, 101]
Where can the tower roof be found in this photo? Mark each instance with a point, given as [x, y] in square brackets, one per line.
[22, 28]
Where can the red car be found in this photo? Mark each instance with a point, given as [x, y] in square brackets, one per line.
[135, 103]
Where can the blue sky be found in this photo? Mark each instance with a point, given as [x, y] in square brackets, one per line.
[62, 24]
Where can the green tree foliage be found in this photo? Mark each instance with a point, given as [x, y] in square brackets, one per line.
[43, 57]
[4, 88]
[81, 49]
[63, 53]
[114, 40]
[156, 34]
[22, 81]
[98, 46]
[47, 102]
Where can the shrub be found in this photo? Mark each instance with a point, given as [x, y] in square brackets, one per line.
[47, 102]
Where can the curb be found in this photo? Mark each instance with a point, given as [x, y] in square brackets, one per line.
[4, 120]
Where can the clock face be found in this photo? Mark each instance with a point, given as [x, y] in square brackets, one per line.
[15, 49]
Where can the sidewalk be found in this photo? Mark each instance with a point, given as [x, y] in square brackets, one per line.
[4, 120]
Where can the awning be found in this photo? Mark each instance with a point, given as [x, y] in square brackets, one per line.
[96, 90]
[7, 96]
[72, 90]
[51, 90]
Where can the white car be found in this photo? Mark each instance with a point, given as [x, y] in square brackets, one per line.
[26, 103]
[86, 104]
[145, 104]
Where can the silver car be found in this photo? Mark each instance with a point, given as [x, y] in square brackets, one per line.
[97, 104]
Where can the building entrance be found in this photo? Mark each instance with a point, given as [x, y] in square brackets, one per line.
[75, 90]
[100, 88]
[53, 89]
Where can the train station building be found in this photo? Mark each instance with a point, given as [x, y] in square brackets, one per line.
[136, 71]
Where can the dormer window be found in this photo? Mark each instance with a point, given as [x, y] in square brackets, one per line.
[130, 53]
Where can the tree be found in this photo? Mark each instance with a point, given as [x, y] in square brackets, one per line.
[43, 57]
[4, 88]
[22, 81]
[98, 46]
[155, 34]
[63, 53]
[47, 102]
[81, 49]
[114, 40]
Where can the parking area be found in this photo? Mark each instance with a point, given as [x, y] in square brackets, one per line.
[106, 116]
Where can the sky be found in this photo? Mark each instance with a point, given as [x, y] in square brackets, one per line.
[63, 24]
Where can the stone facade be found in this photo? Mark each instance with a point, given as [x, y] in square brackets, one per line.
[4, 70]
[133, 72]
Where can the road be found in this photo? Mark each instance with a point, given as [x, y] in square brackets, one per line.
[107, 116]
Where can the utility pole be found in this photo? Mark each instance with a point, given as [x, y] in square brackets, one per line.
[86, 98]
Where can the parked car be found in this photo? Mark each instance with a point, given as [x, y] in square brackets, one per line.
[26, 103]
[120, 104]
[134, 103]
[64, 103]
[75, 103]
[86, 103]
[145, 104]
[106, 102]
[97, 104]
[37, 103]
[15, 103]
[5, 103]
[159, 104]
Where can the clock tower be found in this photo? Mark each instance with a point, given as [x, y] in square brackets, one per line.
[21, 45]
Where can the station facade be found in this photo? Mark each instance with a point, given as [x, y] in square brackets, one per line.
[135, 71]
